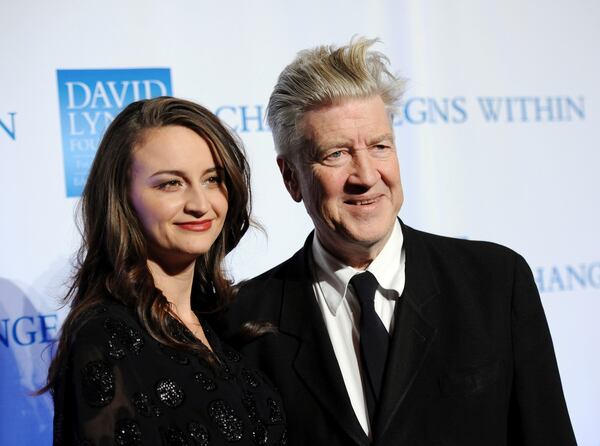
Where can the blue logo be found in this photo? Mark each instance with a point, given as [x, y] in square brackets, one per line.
[89, 101]
[491, 110]
[243, 118]
[28, 329]
[532, 108]
[7, 126]
[423, 110]
[454, 110]
[585, 276]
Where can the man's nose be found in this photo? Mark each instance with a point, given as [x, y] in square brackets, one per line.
[364, 169]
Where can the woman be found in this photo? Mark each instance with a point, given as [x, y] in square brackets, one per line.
[166, 199]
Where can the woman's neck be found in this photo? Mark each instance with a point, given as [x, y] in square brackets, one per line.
[176, 285]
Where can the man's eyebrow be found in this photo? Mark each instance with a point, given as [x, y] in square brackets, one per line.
[380, 138]
[338, 144]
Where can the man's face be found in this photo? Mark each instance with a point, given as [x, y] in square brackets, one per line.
[349, 179]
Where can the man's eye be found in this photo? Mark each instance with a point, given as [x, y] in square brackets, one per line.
[335, 157]
[381, 147]
[381, 150]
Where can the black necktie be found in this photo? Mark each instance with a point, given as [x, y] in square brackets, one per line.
[374, 339]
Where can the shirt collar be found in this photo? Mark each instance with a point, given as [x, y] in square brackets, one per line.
[333, 276]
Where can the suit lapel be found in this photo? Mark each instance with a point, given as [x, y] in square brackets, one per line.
[413, 334]
[315, 362]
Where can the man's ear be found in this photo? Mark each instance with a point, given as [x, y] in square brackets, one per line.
[290, 178]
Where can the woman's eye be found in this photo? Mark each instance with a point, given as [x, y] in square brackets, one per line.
[170, 185]
[214, 179]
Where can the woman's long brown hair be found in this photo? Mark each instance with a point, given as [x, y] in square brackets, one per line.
[112, 259]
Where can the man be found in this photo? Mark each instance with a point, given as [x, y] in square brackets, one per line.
[443, 342]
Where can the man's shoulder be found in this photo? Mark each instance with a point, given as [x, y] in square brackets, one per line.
[271, 282]
[260, 299]
[460, 243]
[460, 251]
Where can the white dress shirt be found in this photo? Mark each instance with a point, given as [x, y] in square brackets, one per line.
[341, 309]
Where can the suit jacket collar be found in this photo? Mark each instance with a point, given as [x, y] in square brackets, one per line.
[422, 284]
[315, 362]
[334, 275]
[414, 330]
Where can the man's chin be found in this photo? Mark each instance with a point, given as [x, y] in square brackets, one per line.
[359, 234]
[367, 234]
[362, 239]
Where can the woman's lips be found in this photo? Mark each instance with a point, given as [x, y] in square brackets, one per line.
[196, 226]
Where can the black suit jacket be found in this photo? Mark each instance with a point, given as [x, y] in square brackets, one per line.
[471, 360]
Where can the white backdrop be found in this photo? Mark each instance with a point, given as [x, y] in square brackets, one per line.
[498, 141]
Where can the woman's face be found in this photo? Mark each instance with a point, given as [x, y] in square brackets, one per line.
[178, 193]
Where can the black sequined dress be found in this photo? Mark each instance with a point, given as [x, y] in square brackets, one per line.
[121, 387]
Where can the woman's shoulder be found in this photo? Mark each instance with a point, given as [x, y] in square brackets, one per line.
[111, 326]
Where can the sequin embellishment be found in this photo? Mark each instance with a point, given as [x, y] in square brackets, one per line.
[207, 383]
[199, 434]
[283, 439]
[227, 421]
[226, 373]
[232, 355]
[169, 392]
[250, 378]
[127, 433]
[174, 437]
[98, 383]
[275, 416]
[260, 434]
[249, 404]
[174, 355]
[122, 338]
[145, 405]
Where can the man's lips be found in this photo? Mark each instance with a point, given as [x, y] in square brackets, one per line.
[196, 226]
[364, 201]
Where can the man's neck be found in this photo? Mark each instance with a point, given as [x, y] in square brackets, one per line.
[358, 256]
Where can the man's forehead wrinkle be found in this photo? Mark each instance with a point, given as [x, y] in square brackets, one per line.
[358, 140]
[353, 124]
[387, 136]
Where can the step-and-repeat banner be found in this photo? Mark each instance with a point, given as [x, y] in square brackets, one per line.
[497, 139]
